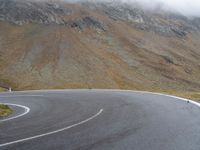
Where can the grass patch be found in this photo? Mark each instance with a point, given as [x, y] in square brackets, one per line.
[2, 89]
[4, 110]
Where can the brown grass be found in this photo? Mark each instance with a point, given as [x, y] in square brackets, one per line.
[48, 57]
[4, 110]
[2, 89]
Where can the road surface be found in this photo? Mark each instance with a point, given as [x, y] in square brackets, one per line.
[99, 120]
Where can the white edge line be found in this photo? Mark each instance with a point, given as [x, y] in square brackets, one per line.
[172, 96]
[13, 96]
[53, 132]
[154, 93]
[27, 110]
[180, 98]
[114, 90]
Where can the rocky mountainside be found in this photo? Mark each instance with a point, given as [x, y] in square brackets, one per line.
[56, 44]
[22, 12]
[166, 24]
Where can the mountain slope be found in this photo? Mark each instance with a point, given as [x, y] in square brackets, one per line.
[96, 45]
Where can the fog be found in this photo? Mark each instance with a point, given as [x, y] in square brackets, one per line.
[185, 7]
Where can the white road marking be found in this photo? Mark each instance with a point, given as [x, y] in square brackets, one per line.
[84, 121]
[114, 90]
[146, 92]
[53, 132]
[13, 96]
[172, 96]
[180, 98]
[27, 110]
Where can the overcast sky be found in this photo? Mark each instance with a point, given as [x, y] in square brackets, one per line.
[186, 7]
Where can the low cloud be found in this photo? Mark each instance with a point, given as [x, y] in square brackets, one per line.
[185, 7]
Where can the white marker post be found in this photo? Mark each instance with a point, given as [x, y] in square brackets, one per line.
[9, 90]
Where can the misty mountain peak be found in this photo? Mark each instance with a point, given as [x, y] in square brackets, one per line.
[84, 14]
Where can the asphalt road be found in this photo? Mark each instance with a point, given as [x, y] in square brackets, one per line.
[99, 120]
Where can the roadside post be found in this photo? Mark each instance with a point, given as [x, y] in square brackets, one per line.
[9, 89]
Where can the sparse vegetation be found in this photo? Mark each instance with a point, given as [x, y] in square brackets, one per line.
[5, 110]
[82, 54]
[2, 89]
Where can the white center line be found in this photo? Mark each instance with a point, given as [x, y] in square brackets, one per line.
[53, 132]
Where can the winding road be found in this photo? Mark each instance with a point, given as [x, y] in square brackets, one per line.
[99, 120]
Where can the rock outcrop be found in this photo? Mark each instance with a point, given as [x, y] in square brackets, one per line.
[164, 23]
[168, 24]
[21, 12]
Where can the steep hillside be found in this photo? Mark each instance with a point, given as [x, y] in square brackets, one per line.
[97, 45]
